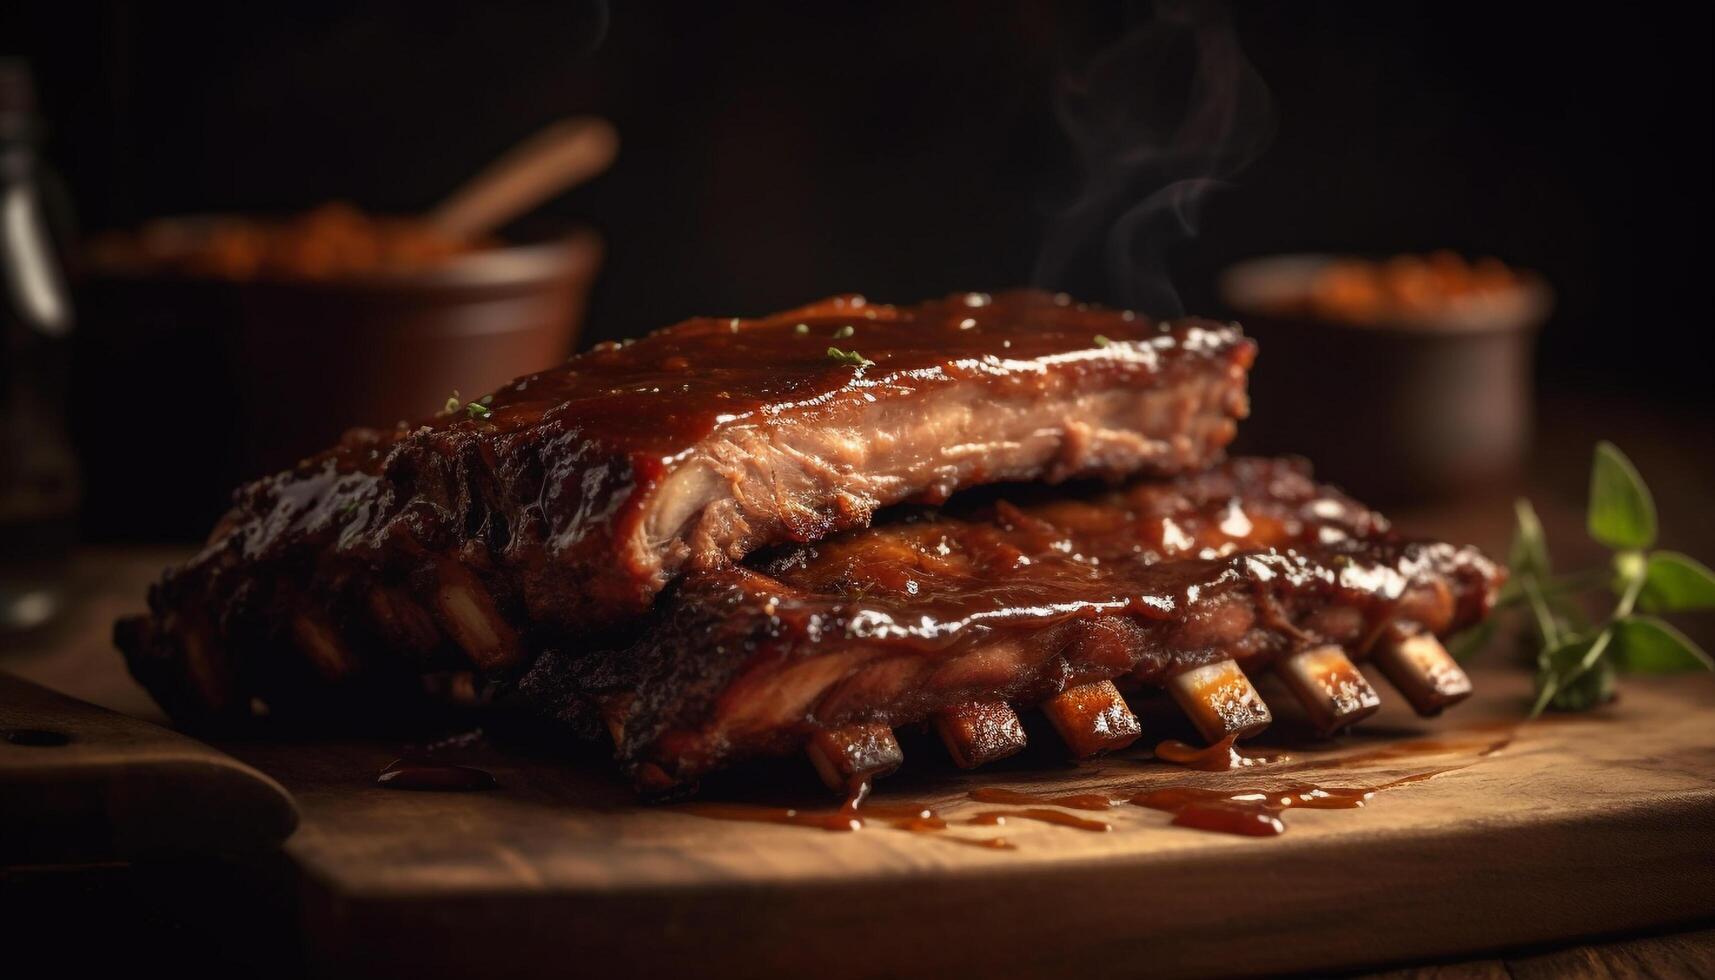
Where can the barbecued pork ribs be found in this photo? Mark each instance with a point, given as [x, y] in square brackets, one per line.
[562, 504]
[1186, 584]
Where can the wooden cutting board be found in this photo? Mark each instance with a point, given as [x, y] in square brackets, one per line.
[1576, 826]
[1596, 825]
[81, 785]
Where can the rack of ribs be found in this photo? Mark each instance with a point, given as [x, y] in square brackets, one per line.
[960, 619]
[561, 505]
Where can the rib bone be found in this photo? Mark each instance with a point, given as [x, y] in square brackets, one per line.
[1220, 700]
[1326, 682]
[1423, 671]
[613, 711]
[847, 756]
[401, 621]
[322, 647]
[452, 687]
[472, 619]
[980, 732]
[1093, 719]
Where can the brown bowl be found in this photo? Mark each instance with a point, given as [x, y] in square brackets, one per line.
[183, 387]
[1406, 409]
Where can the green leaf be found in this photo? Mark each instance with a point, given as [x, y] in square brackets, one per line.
[851, 357]
[1622, 514]
[1648, 645]
[1529, 552]
[1676, 583]
[1548, 625]
[1590, 689]
[1561, 668]
[1471, 641]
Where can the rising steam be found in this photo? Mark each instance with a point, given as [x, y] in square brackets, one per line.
[1159, 120]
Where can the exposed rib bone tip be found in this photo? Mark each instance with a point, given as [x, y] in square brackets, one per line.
[1220, 700]
[1422, 669]
[853, 753]
[401, 621]
[473, 620]
[613, 710]
[207, 669]
[979, 732]
[1093, 719]
[452, 687]
[1329, 686]
[322, 647]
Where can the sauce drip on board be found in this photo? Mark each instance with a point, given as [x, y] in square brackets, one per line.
[1251, 811]
[1078, 801]
[1479, 742]
[846, 818]
[1256, 812]
[433, 776]
[1247, 811]
[1304, 796]
[1223, 756]
[994, 818]
[425, 767]
[1228, 818]
[909, 817]
[751, 813]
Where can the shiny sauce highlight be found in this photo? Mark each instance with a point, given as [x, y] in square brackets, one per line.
[1223, 756]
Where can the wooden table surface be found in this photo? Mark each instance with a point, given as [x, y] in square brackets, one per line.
[1657, 744]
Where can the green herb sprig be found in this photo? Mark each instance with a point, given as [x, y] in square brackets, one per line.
[851, 357]
[476, 410]
[1577, 660]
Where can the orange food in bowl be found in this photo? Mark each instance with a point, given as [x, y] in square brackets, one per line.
[332, 241]
[1405, 287]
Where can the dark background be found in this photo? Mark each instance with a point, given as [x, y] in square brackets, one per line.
[779, 152]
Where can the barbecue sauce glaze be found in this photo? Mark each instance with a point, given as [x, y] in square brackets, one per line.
[554, 491]
[1017, 602]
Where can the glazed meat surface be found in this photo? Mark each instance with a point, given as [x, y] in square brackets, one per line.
[563, 503]
[1009, 603]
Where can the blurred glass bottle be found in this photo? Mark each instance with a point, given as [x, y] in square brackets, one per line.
[38, 473]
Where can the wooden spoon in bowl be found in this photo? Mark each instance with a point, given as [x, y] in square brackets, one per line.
[564, 154]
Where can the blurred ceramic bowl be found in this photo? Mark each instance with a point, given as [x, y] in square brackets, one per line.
[1395, 392]
[186, 385]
